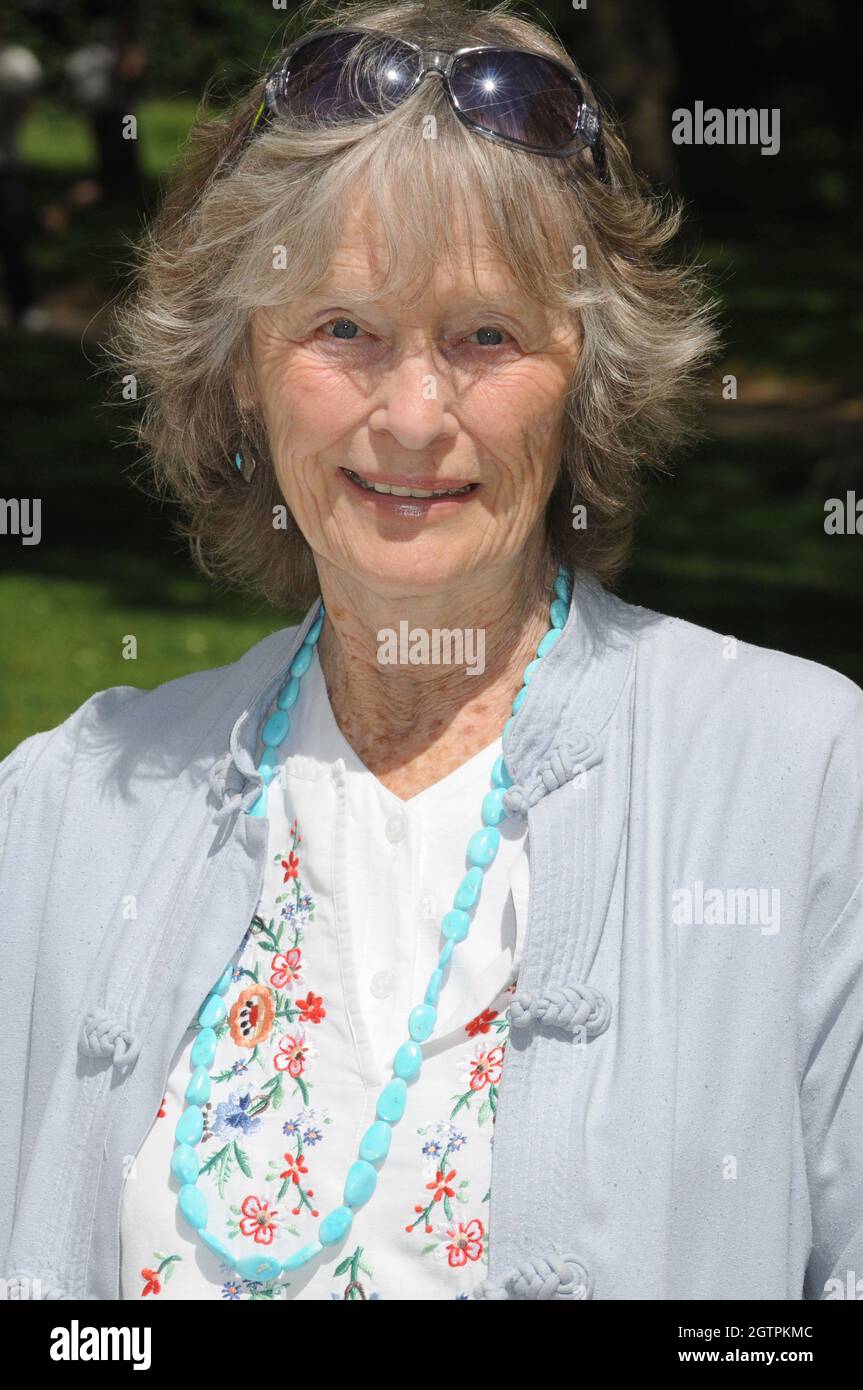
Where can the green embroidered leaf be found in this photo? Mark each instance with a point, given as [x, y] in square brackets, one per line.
[211, 1162]
[427, 1249]
[242, 1160]
[484, 1112]
[342, 1268]
[365, 1269]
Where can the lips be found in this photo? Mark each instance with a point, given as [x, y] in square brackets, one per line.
[419, 488]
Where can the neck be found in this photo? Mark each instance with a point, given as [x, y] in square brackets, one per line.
[393, 712]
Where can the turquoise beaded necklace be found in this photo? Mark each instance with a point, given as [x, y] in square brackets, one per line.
[374, 1146]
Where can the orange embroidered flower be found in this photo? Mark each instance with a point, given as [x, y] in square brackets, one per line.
[440, 1186]
[258, 1220]
[251, 1017]
[295, 1167]
[152, 1284]
[290, 866]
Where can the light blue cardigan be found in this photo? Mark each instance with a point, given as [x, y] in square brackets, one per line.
[681, 1109]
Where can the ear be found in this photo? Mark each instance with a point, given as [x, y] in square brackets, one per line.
[245, 387]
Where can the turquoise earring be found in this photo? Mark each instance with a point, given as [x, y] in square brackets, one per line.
[245, 464]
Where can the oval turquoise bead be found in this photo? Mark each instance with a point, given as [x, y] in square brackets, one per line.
[198, 1089]
[519, 699]
[267, 765]
[213, 1011]
[258, 806]
[203, 1048]
[468, 891]
[375, 1143]
[551, 639]
[421, 1022]
[408, 1060]
[483, 846]
[185, 1164]
[392, 1101]
[530, 671]
[314, 631]
[276, 728]
[223, 984]
[193, 1205]
[217, 1247]
[360, 1183]
[446, 955]
[492, 807]
[335, 1225]
[558, 613]
[190, 1125]
[432, 993]
[455, 925]
[301, 1257]
[258, 1268]
[563, 585]
[288, 694]
[302, 661]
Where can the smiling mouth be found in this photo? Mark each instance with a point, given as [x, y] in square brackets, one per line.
[394, 490]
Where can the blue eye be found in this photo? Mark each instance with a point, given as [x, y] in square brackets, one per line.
[343, 323]
[480, 331]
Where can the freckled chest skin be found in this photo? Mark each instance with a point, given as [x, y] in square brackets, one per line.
[468, 382]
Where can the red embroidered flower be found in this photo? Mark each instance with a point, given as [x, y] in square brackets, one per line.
[258, 1220]
[295, 1167]
[286, 968]
[152, 1284]
[481, 1023]
[464, 1243]
[310, 1008]
[440, 1186]
[290, 866]
[291, 1056]
[486, 1068]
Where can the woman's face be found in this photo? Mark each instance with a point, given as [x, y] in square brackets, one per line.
[463, 391]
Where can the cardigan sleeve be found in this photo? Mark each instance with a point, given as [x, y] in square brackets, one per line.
[831, 1025]
[19, 947]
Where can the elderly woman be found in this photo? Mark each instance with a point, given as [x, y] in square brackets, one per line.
[477, 850]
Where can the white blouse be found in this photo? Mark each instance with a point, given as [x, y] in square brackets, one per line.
[341, 948]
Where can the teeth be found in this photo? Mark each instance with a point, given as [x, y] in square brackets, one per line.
[386, 489]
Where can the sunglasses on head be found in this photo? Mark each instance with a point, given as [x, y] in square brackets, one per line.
[508, 95]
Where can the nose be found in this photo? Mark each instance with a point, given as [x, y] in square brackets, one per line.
[414, 407]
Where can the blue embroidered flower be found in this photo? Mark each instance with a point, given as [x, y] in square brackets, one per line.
[291, 1128]
[456, 1141]
[432, 1148]
[232, 1289]
[312, 1136]
[232, 1116]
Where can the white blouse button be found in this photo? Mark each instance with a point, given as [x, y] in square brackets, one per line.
[396, 827]
[382, 984]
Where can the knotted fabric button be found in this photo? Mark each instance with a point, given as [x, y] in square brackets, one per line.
[102, 1035]
[571, 1007]
[546, 1276]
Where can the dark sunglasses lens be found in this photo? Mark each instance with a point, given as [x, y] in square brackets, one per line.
[344, 76]
[518, 96]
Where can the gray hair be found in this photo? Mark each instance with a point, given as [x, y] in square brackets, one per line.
[205, 263]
